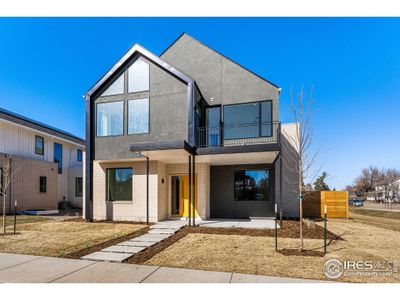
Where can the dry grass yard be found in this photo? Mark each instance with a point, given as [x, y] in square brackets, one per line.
[51, 237]
[256, 255]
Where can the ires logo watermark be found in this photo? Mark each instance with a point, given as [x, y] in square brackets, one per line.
[334, 268]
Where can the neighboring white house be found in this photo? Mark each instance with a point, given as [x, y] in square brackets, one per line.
[382, 194]
[49, 163]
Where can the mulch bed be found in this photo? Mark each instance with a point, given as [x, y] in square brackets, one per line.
[100, 246]
[297, 252]
[290, 229]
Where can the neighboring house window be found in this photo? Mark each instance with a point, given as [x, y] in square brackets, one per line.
[248, 120]
[119, 184]
[138, 76]
[78, 187]
[43, 184]
[138, 116]
[116, 88]
[110, 118]
[39, 145]
[251, 185]
[79, 155]
[58, 156]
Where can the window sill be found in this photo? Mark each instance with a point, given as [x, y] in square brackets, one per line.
[120, 202]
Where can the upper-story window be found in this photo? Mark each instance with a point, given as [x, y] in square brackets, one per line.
[58, 156]
[110, 118]
[138, 76]
[116, 88]
[79, 155]
[248, 120]
[39, 145]
[138, 116]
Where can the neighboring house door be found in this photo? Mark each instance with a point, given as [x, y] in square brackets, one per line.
[180, 196]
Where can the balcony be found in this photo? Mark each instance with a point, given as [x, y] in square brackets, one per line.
[238, 135]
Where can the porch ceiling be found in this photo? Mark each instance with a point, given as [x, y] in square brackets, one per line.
[239, 158]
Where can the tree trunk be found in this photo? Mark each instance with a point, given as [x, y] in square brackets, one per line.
[4, 214]
[301, 204]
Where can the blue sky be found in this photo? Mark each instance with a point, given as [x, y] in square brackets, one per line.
[47, 64]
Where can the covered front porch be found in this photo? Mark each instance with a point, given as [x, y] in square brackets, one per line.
[181, 186]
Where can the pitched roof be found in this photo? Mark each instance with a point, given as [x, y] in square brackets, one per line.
[136, 48]
[36, 125]
[219, 53]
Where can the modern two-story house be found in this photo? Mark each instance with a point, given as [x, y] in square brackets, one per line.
[208, 127]
[44, 164]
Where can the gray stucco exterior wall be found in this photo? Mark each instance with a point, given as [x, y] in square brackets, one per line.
[222, 202]
[218, 77]
[168, 115]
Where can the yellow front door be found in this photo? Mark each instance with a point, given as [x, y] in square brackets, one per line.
[180, 207]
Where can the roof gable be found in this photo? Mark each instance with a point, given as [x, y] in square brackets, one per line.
[137, 49]
[184, 35]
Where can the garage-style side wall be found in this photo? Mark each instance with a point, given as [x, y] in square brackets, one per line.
[218, 77]
[222, 201]
[26, 182]
[168, 119]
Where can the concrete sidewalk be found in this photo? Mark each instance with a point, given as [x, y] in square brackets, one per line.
[17, 268]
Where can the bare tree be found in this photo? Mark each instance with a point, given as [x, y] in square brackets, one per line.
[387, 181]
[301, 158]
[8, 170]
[367, 180]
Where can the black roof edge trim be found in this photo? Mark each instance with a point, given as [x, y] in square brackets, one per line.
[136, 48]
[14, 117]
[167, 145]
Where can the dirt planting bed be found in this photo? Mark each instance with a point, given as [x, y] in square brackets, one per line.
[290, 229]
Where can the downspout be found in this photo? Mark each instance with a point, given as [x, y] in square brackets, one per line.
[88, 163]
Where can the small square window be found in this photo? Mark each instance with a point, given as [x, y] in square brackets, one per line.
[79, 155]
[251, 185]
[119, 184]
[43, 184]
[39, 145]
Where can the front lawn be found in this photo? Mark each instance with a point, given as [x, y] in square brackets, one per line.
[256, 254]
[51, 237]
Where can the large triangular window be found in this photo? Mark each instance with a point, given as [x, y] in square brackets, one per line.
[138, 76]
[116, 88]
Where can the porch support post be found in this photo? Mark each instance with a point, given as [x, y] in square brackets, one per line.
[194, 189]
[147, 189]
[190, 189]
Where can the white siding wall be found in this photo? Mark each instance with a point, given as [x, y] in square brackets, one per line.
[20, 141]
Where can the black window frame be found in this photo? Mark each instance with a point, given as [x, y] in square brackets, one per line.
[260, 135]
[253, 200]
[78, 192]
[127, 116]
[37, 138]
[43, 184]
[59, 162]
[79, 155]
[107, 185]
[121, 99]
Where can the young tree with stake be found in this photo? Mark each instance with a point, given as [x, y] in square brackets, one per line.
[301, 161]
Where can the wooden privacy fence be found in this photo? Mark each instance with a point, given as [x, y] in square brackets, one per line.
[337, 203]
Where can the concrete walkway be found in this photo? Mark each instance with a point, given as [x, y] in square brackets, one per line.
[17, 268]
[125, 250]
[253, 223]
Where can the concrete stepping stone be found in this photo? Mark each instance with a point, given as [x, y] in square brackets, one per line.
[164, 230]
[107, 256]
[137, 244]
[123, 249]
[151, 237]
[166, 226]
